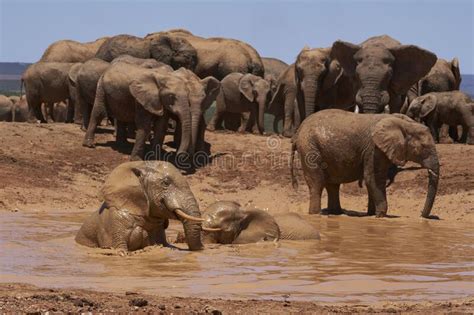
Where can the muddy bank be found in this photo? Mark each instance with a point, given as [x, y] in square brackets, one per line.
[28, 298]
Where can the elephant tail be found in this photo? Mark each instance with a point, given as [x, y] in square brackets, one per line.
[294, 182]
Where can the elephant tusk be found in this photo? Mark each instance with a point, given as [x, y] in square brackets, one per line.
[211, 229]
[183, 215]
[432, 173]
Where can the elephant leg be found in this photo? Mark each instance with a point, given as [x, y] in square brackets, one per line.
[143, 121]
[243, 122]
[434, 131]
[453, 133]
[276, 121]
[296, 117]
[252, 122]
[121, 132]
[371, 206]
[70, 111]
[98, 113]
[334, 204]
[201, 143]
[375, 177]
[159, 132]
[50, 111]
[288, 123]
[34, 108]
[216, 120]
[138, 239]
[314, 177]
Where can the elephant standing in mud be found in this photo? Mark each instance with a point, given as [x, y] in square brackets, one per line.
[225, 222]
[242, 93]
[139, 199]
[48, 82]
[382, 70]
[451, 108]
[71, 51]
[337, 147]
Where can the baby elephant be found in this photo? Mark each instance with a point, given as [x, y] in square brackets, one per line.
[242, 94]
[451, 108]
[337, 147]
[139, 199]
[225, 222]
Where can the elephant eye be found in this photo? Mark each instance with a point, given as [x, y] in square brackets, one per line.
[166, 182]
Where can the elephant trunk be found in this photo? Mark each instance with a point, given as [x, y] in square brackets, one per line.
[310, 88]
[187, 210]
[432, 164]
[184, 117]
[195, 123]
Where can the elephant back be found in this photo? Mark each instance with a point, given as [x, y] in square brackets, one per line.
[294, 227]
[122, 189]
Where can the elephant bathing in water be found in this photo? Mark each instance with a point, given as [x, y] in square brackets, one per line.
[337, 147]
[139, 199]
[225, 222]
[383, 70]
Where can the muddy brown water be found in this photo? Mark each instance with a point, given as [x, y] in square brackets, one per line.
[357, 260]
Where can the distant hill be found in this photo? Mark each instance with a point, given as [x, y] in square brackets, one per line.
[11, 69]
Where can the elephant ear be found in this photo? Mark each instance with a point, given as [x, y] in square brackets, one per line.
[344, 53]
[211, 87]
[246, 86]
[456, 71]
[334, 73]
[146, 92]
[410, 65]
[122, 189]
[389, 138]
[73, 72]
[428, 104]
[175, 51]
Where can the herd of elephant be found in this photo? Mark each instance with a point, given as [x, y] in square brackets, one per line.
[354, 112]
[142, 83]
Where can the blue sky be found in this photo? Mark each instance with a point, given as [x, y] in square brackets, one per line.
[275, 28]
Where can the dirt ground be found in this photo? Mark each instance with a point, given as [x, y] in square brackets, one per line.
[45, 168]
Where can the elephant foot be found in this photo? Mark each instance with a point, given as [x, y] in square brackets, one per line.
[211, 128]
[336, 211]
[88, 143]
[380, 214]
[314, 211]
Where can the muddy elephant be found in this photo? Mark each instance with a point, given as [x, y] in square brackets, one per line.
[71, 51]
[138, 200]
[225, 222]
[451, 108]
[382, 70]
[242, 93]
[48, 82]
[213, 56]
[337, 147]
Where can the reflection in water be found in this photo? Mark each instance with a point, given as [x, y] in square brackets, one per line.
[358, 259]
